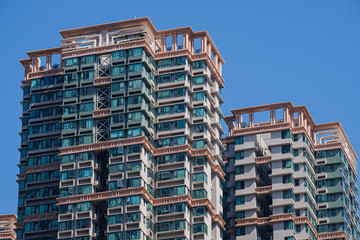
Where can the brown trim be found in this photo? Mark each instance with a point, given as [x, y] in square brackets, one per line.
[144, 193]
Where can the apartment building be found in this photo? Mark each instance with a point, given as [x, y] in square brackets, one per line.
[121, 137]
[288, 177]
[7, 226]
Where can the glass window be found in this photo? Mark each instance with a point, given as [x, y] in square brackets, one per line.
[88, 59]
[118, 54]
[239, 140]
[86, 189]
[87, 139]
[117, 70]
[85, 172]
[240, 200]
[135, 52]
[86, 107]
[71, 61]
[135, 67]
[118, 87]
[133, 200]
[135, 84]
[35, 83]
[239, 170]
[84, 206]
[115, 202]
[288, 225]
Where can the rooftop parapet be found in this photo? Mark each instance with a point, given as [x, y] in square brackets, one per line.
[182, 39]
[273, 116]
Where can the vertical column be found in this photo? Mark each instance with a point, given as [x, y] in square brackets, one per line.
[174, 42]
[204, 45]
[27, 70]
[48, 62]
[230, 128]
[301, 118]
[192, 46]
[163, 43]
[61, 62]
[209, 50]
[251, 119]
[216, 60]
[272, 116]
[238, 121]
[185, 40]
[34, 63]
[220, 67]
[286, 115]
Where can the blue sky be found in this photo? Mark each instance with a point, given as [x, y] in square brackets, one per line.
[305, 51]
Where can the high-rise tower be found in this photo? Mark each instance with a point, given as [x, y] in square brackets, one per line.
[137, 113]
[287, 177]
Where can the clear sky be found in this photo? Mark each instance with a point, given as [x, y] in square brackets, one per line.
[304, 51]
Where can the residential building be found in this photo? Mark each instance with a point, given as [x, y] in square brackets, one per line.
[288, 177]
[7, 226]
[137, 113]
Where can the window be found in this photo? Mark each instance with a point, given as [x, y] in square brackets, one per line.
[199, 194]
[199, 96]
[71, 62]
[240, 200]
[199, 128]
[239, 170]
[239, 155]
[135, 84]
[133, 200]
[287, 164]
[118, 87]
[35, 83]
[70, 93]
[287, 194]
[240, 231]
[88, 59]
[68, 208]
[198, 144]
[85, 172]
[118, 54]
[117, 134]
[199, 64]
[239, 185]
[135, 52]
[83, 223]
[199, 211]
[287, 179]
[86, 189]
[239, 140]
[134, 116]
[285, 134]
[88, 75]
[132, 217]
[115, 202]
[240, 215]
[200, 228]
[86, 107]
[199, 177]
[135, 67]
[70, 109]
[116, 168]
[133, 234]
[198, 112]
[288, 225]
[117, 70]
[286, 149]
[199, 80]
[69, 126]
[84, 206]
